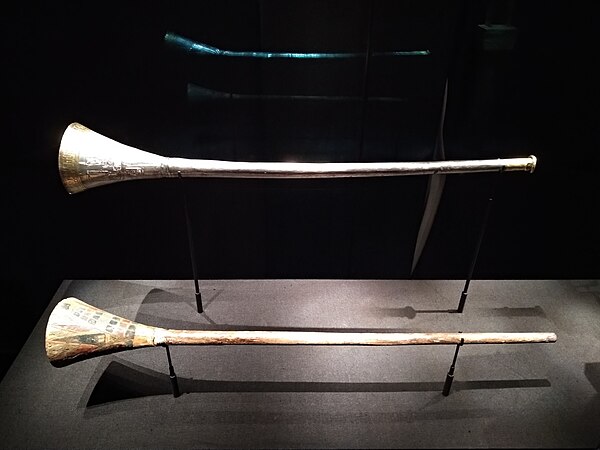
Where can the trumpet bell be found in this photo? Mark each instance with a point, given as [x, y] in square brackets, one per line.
[87, 159]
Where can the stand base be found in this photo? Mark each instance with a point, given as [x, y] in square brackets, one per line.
[199, 302]
[461, 303]
[172, 376]
[447, 384]
[174, 385]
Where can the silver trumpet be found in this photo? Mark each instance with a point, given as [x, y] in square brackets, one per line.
[88, 159]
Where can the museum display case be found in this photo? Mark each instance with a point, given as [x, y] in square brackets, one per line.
[363, 224]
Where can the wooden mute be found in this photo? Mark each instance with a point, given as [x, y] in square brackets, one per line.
[77, 331]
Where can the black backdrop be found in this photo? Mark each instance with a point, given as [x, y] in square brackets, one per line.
[107, 66]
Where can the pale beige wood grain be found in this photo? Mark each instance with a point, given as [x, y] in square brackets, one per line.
[76, 331]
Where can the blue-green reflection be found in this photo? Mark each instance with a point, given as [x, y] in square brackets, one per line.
[200, 48]
[201, 93]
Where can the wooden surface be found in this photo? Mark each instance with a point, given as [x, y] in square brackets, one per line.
[503, 396]
[213, 337]
[77, 330]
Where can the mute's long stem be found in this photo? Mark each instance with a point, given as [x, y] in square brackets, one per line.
[215, 337]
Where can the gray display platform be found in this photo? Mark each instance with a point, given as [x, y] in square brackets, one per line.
[503, 396]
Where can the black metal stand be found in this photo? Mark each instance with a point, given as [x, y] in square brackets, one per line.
[463, 295]
[188, 224]
[172, 376]
[450, 374]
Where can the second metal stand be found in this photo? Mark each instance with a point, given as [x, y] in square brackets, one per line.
[188, 224]
[450, 374]
[172, 376]
[463, 295]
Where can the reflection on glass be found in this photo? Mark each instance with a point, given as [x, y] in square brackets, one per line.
[199, 48]
[198, 93]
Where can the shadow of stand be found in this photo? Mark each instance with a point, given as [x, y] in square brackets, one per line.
[410, 313]
[156, 295]
[121, 381]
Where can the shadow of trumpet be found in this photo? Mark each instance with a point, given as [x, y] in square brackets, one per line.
[121, 380]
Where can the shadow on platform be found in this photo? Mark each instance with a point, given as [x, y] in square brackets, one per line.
[124, 381]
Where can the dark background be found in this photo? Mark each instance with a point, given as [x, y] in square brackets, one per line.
[107, 66]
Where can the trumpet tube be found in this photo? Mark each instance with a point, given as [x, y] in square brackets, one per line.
[77, 330]
[88, 159]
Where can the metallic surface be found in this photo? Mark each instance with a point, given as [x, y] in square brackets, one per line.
[88, 159]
